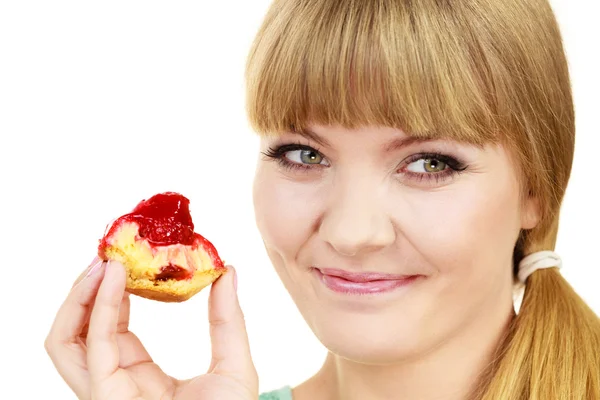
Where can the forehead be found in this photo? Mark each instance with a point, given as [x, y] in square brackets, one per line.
[388, 138]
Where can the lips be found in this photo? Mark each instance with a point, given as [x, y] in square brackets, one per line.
[346, 282]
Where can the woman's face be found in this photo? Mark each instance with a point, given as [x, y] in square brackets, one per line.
[390, 246]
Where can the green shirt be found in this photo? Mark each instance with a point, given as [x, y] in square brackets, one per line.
[285, 393]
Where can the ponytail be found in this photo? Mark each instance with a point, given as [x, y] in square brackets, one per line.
[552, 349]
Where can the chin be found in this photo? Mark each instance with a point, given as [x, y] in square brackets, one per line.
[366, 341]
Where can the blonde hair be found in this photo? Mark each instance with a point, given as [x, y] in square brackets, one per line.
[478, 71]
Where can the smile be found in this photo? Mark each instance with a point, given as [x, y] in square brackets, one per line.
[345, 282]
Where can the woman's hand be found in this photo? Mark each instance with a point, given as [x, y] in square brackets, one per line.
[100, 359]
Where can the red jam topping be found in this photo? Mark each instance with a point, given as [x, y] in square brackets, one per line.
[172, 271]
[164, 219]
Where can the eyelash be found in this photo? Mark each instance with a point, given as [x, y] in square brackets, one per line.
[454, 166]
[278, 154]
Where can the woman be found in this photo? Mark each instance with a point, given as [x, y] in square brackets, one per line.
[414, 160]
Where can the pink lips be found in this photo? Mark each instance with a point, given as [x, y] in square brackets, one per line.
[362, 283]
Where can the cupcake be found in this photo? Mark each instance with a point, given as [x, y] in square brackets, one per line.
[164, 258]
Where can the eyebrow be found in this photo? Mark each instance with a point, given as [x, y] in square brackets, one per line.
[392, 145]
[308, 134]
[399, 143]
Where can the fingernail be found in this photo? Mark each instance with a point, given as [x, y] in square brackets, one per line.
[89, 267]
[95, 266]
[235, 279]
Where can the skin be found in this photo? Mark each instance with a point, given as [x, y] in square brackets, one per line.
[362, 206]
[99, 358]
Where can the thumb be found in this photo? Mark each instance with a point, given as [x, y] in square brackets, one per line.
[230, 347]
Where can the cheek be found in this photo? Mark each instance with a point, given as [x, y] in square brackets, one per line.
[466, 231]
[286, 212]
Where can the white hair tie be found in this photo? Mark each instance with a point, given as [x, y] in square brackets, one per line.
[535, 261]
[527, 266]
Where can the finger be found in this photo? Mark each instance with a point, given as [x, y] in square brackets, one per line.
[62, 341]
[72, 315]
[131, 350]
[230, 348]
[103, 351]
[96, 262]
[123, 315]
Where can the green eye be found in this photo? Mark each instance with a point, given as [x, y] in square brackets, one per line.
[310, 157]
[433, 165]
[427, 165]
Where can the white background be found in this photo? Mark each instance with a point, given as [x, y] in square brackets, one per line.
[105, 103]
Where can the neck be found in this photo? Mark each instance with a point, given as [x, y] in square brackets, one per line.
[448, 372]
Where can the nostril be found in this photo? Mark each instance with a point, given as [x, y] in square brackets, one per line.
[352, 242]
[345, 251]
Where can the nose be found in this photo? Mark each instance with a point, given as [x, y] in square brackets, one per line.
[355, 221]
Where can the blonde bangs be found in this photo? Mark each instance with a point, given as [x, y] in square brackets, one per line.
[416, 66]
[470, 70]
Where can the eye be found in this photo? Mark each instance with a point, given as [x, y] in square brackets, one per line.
[297, 157]
[304, 156]
[427, 165]
[431, 168]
